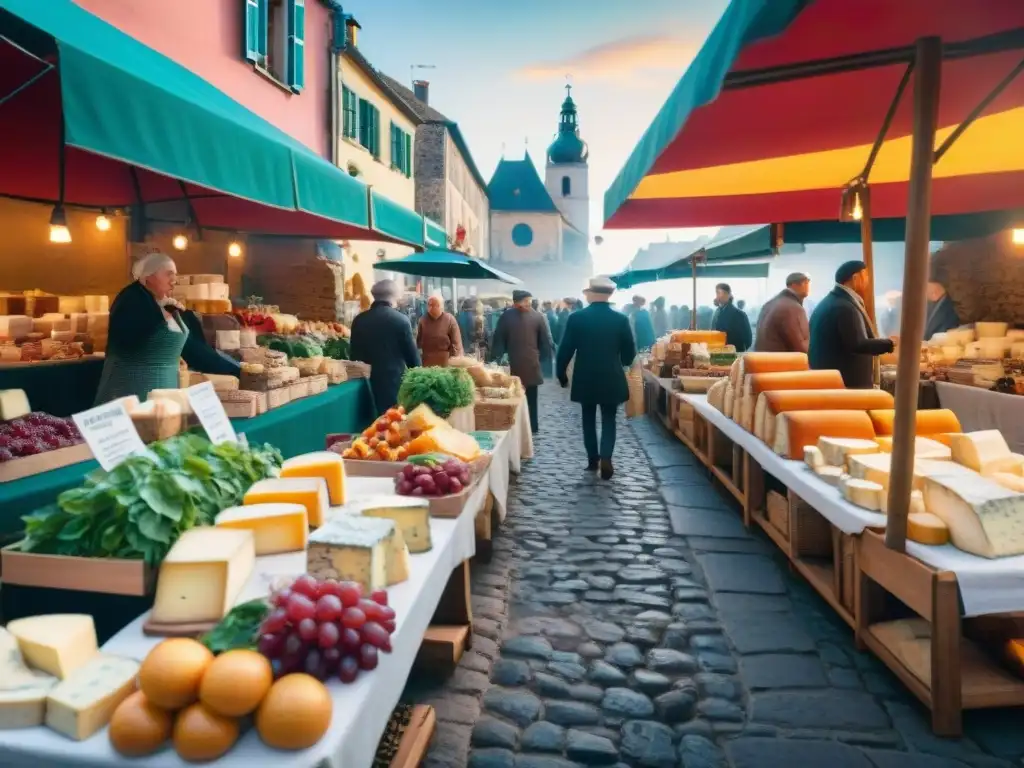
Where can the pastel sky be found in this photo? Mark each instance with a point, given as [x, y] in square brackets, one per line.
[500, 71]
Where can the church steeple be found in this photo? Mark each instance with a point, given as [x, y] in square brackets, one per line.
[568, 147]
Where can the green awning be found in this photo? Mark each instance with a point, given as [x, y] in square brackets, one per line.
[436, 236]
[744, 242]
[396, 221]
[682, 270]
[128, 103]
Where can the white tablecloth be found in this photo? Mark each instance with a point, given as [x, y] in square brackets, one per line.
[986, 586]
[506, 450]
[980, 409]
[361, 710]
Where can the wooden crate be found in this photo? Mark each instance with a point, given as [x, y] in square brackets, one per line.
[105, 575]
[777, 508]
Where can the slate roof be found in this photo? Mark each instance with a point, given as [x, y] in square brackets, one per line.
[516, 186]
[428, 114]
[382, 81]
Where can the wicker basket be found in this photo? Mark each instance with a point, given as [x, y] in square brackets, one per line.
[810, 533]
[496, 415]
[356, 370]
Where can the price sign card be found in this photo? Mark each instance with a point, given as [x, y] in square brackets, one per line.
[110, 434]
[211, 414]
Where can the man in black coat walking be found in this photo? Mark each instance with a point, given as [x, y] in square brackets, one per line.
[730, 319]
[843, 336]
[382, 337]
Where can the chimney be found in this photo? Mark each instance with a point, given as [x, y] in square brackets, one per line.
[352, 28]
[422, 90]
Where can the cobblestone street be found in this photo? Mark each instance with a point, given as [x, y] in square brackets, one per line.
[638, 623]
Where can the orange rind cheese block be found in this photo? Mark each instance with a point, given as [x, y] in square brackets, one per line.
[795, 429]
[931, 422]
[711, 338]
[773, 402]
[756, 383]
[767, 362]
[926, 528]
[324, 464]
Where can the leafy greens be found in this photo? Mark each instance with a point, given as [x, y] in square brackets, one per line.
[443, 389]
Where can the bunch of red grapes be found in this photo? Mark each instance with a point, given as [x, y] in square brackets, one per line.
[326, 629]
[434, 479]
[36, 433]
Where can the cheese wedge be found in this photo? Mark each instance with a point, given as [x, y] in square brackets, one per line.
[13, 404]
[983, 517]
[1007, 480]
[863, 493]
[837, 450]
[276, 528]
[928, 422]
[813, 457]
[772, 402]
[926, 528]
[352, 548]
[877, 467]
[56, 644]
[980, 450]
[202, 575]
[23, 691]
[924, 448]
[830, 475]
[323, 464]
[311, 492]
[410, 514]
[916, 502]
[84, 703]
[795, 429]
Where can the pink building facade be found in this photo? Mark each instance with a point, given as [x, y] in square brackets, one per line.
[272, 56]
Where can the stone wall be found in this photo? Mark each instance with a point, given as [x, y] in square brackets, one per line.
[984, 277]
[288, 272]
[429, 171]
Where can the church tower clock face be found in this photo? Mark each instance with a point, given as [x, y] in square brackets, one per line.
[522, 234]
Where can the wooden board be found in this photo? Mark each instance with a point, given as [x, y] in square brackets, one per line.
[16, 469]
[416, 739]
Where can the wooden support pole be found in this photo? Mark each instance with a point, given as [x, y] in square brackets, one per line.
[693, 309]
[927, 86]
[868, 251]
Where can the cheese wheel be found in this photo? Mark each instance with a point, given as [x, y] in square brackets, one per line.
[795, 429]
[926, 528]
[711, 338]
[716, 394]
[930, 422]
[770, 362]
[773, 402]
[729, 401]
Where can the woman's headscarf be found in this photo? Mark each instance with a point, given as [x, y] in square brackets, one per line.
[150, 264]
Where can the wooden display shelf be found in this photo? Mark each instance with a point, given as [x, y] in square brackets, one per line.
[451, 631]
[726, 461]
[945, 671]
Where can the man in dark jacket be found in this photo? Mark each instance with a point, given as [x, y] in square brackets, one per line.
[730, 320]
[602, 343]
[523, 335]
[941, 313]
[843, 336]
[782, 325]
[382, 337]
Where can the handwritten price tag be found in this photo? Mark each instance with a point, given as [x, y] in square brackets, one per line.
[110, 434]
[211, 414]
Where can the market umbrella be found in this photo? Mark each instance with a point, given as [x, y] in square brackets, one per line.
[845, 144]
[448, 264]
[93, 118]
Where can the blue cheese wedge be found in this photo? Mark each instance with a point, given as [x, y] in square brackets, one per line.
[983, 517]
[352, 548]
[411, 514]
[84, 702]
[23, 691]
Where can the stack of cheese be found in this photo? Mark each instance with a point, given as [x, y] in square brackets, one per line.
[52, 673]
[734, 405]
[206, 294]
[314, 480]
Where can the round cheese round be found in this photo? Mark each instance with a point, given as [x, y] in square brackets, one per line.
[201, 735]
[139, 728]
[295, 714]
[235, 683]
[171, 672]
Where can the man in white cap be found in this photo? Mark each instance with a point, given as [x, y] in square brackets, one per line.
[382, 337]
[601, 341]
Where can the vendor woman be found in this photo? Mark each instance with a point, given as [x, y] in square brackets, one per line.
[149, 332]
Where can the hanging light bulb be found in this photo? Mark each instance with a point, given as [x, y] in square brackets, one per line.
[1018, 236]
[59, 232]
[858, 211]
[103, 222]
[234, 250]
[855, 198]
[180, 242]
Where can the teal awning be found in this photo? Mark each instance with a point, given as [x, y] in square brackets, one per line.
[682, 270]
[138, 125]
[436, 237]
[745, 242]
[446, 264]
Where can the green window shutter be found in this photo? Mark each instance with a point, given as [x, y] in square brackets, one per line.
[351, 116]
[254, 45]
[297, 44]
[395, 156]
[364, 123]
[408, 155]
[375, 138]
